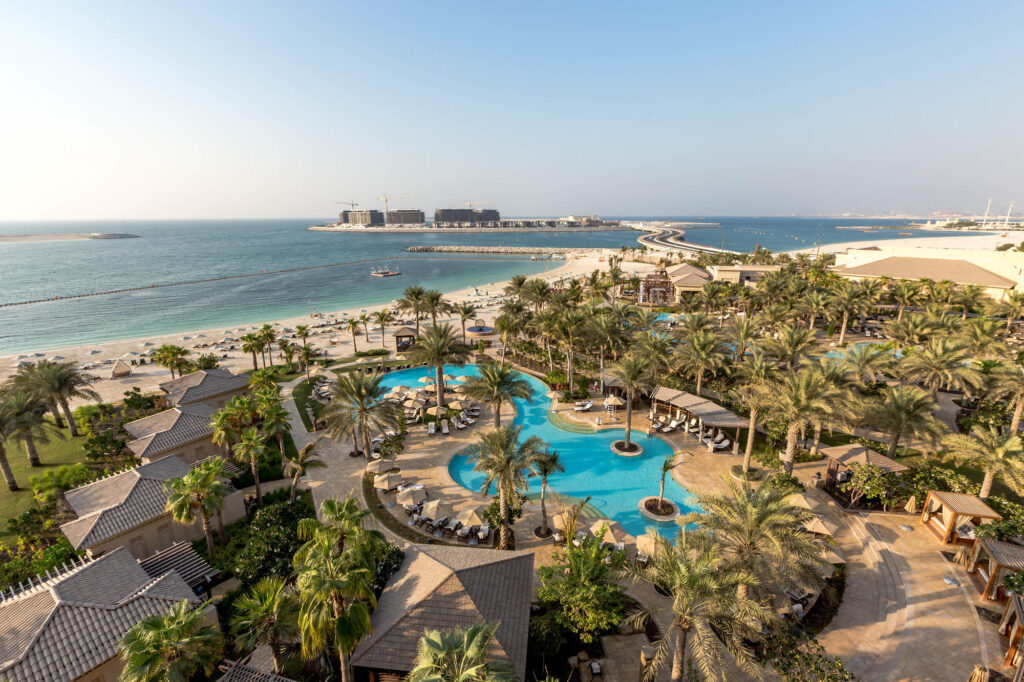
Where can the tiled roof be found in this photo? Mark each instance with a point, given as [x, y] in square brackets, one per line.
[68, 625]
[444, 588]
[854, 453]
[405, 331]
[183, 560]
[243, 673]
[170, 429]
[936, 269]
[202, 385]
[964, 504]
[688, 275]
[118, 503]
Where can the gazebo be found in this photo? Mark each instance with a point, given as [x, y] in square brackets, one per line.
[404, 338]
[1012, 628]
[120, 369]
[947, 513]
[684, 406]
[840, 457]
[992, 559]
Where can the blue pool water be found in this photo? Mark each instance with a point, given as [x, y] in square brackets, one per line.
[616, 484]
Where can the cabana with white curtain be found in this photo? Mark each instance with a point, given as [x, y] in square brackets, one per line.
[683, 408]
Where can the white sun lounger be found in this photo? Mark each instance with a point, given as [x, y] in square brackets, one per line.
[444, 427]
[431, 428]
[466, 418]
[457, 423]
[671, 426]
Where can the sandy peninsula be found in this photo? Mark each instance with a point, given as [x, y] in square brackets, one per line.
[18, 238]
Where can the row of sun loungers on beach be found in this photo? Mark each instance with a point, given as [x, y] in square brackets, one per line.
[447, 526]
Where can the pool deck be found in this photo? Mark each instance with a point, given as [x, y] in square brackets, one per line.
[898, 621]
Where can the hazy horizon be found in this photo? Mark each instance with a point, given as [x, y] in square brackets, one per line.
[120, 111]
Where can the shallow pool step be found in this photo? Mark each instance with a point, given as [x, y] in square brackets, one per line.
[569, 425]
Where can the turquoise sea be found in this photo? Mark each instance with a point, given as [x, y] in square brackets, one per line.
[171, 251]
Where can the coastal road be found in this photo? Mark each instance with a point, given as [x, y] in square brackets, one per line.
[672, 239]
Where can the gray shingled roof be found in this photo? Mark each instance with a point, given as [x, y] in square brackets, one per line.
[118, 503]
[68, 625]
[170, 429]
[445, 588]
[688, 275]
[243, 673]
[202, 385]
[183, 560]
[936, 269]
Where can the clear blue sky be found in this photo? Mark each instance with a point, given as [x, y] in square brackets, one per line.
[252, 109]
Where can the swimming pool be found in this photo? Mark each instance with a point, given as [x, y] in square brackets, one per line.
[616, 484]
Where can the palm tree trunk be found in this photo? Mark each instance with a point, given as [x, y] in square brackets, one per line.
[5, 468]
[543, 510]
[551, 359]
[602, 369]
[899, 315]
[254, 365]
[700, 382]
[629, 417]
[295, 482]
[270, 354]
[661, 492]
[506, 531]
[439, 385]
[986, 484]
[893, 442]
[791, 436]
[751, 429]
[220, 527]
[842, 331]
[463, 332]
[817, 440]
[256, 479]
[56, 415]
[367, 447]
[497, 414]
[811, 321]
[280, 445]
[209, 535]
[67, 417]
[355, 349]
[30, 450]
[679, 658]
[346, 674]
[1018, 410]
[569, 363]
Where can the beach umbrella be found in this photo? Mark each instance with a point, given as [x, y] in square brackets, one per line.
[394, 395]
[401, 389]
[833, 555]
[471, 516]
[413, 496]
[820, 526]
[614, 400]
[804, 500]
[448, 377]
[379, 466]
[437, 509]
[462, 377]
[457, 405]
[647, 543]
[426, 380]
[411, 403]
[554, 395]
[387, 481]
[613, 533]
[437, 410]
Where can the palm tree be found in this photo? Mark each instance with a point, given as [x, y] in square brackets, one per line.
[439, 347]
[465, 310]
[912, 330]
[515, 285]
[814, 305]
[459, 656]
[633, 375]
[703, 352]
[412, 301]
[198, 495]
[508, 327]
[342, 527]
[497, 385]
[968, 297]
[657, 349]
[300, 463]
[545, 464]
[1008, 384]
[170, 647]
[941, 363]
[364, 319]
[268, 336]
[866, 362]
[569, 326]
[740, 332]
[352, 324]
[994, 452]
[505, 460]
[306, 354]
[5, 466]
[903, 411]
[755, 392]
[707, 603]
[536, 292]
[60, 382]
[26, 420]
[790, 346]
[981, 339]
[763, 535]
[287, 350]
[251, 449]
[275, 420]
[359, 407]
[35, 377]
[170, 356]
[383, 318]
[666, 466]
[1012, 308]
[267, 615]
[848, 301]
[905, 293]
[803, 397]
[607, 334]
[302, 331]
[252, 344]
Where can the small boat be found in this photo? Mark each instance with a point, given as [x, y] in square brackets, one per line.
[908, 234]
[384, 272]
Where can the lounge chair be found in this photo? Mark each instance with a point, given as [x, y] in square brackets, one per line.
[431, 428]
[463, 533]
[466, 418]
[457, 423]
[453, 525]
[583, 406]
[595, 668]
[409, 486]
[444, 427]
[642, 558]
[671, 426]
[483, 532]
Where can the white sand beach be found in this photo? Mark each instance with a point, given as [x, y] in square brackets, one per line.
[981, 240]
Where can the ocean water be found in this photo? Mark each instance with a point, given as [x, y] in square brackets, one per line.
[173, 251]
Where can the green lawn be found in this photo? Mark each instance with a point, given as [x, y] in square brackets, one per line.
[301, 393]
[53, 454]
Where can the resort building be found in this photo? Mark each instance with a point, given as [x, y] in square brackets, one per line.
[688, 278]
[183, 432]
[213, 387]
[245, 673]
[997, 272]
[67, 626]
[740, 274]
[406, 216]
[445, 588]
[466, 217]
[128, 510]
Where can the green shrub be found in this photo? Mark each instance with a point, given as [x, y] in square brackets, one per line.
[48, 486]
[390, 561]
[784, 481]
[20, 566]
[371, 353]
[270, 542]
[556, 378]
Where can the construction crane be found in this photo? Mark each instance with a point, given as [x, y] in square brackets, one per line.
[386, 198]
[352, 204]
[470, 203]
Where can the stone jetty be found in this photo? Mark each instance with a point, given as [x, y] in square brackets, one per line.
[507, 250]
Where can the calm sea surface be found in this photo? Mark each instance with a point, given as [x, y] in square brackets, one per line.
[170, 251]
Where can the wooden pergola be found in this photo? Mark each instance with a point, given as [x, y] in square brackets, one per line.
[945, 512]
[1012, 628]
[993, 559]
[842, 456]
[404, 338]
[686, 405]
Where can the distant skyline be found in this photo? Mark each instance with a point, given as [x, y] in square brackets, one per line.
[183, 110]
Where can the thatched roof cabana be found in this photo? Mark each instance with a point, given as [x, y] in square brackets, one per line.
[842, 456]
[952, 515]
[404, 338]
[992, 559]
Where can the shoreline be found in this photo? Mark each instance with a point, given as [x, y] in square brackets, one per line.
[465, 230]
[983, 240]
[25, 238]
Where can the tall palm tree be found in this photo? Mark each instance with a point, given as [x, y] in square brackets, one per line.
[439, 347]
[604, 332]
[170, 647]
[497, 385]
[251, 449]
[505, 460]
[342, 527]
[994, 452]
[711, 619]
[633, 374]
[459, 656]
[702, 353]
[756, 375]
[298, 464]
[352, 324]
[383, 318]
[170, 356]
[302, 331]
[35, 377]
[223, 427]
[910, 331]
[287, 349]
[802, 398]
[846, 301]
[867, 362]
[268, 336]
[666, 466]
[569, 327]
[1012, 308]
[814, 304]
[901, 412]
[658, 349]
[267, 615]
[968, 297]
[364, 319]
[252, 344]
[544, 465]
[763, 535]
[275, 420]
[306, 355]
[940, 363]
[905, 293]
[980, 337]
[790, 346]
[740, 332]
[1008, 384]
[5, 466]
[60, 382]
[359, 407]
[412, 301]
[515, 285]
[198, 495]
[465, 310]
[26, 420]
